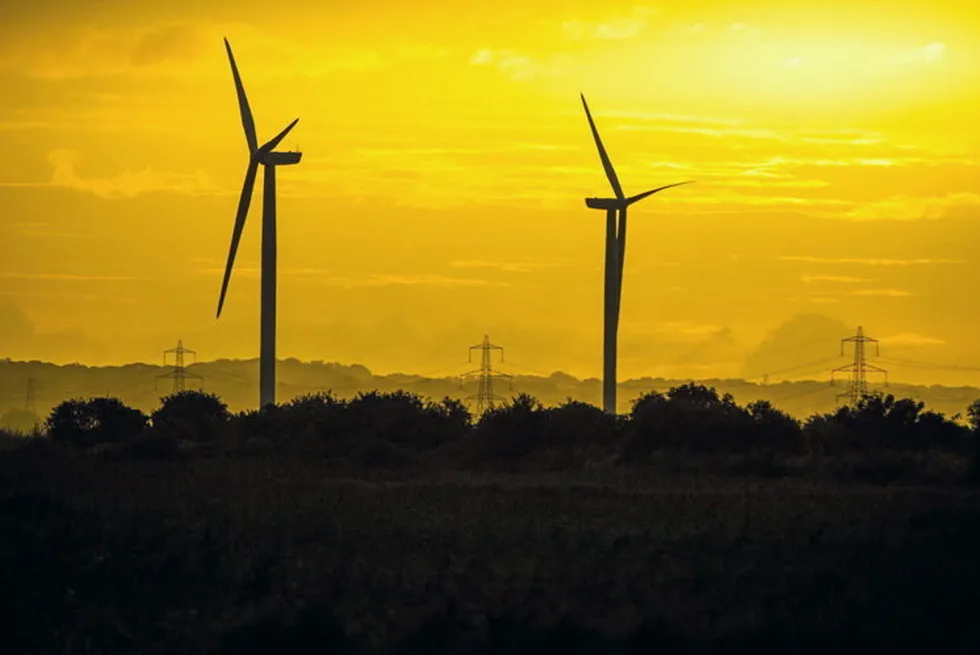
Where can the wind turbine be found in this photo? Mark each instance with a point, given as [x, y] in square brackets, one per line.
[269, 159]
[615, 256]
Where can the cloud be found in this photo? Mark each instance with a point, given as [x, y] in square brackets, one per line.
[868, 261]
[903, 207]
[843, 279]
[799, 347]
[330, 278]
[70, 277]
[243, 269]
[744, 29]
[888, 293]
[74, 296]
[17, 126]
[616, 29]
[128, 184]
[911, 339]
[676, 328]
[424, 280]
[515, 66]
[511, 267]
[180, 49]
[167, 43]
[96, 52]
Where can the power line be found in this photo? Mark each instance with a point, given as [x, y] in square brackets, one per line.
[485, 397]
[179, 373]
[859, 368]
[926, 365]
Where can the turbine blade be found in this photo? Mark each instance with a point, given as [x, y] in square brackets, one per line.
[641, 196]
[274, 141]
[236, 235]
[606, 164]
[247, 121]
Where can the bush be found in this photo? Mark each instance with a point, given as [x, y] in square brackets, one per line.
[406, 419]
[191, 415]
[690, 418]
[510, 431]
[773, 430]
[880, 423]
[94, 421]
[575, 433]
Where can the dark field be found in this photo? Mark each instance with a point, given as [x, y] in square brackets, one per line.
[243, 556]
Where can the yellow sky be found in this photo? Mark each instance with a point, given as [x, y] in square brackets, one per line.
[446, 158]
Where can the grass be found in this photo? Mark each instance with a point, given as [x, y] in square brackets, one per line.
[263, 555]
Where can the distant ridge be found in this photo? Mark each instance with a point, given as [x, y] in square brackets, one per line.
[236, 381]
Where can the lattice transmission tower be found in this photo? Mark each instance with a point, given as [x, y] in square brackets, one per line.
[179, 372]
[858, 386]
[485, 397]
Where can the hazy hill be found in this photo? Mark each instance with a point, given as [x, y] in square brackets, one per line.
[236, 381]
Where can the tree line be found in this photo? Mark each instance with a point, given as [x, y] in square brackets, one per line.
[391, 429]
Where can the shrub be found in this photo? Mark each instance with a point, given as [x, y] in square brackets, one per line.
[406, 419]
[576, 432]
[191, 415]
[690, 418]
[94, 421]
[773, 430]
[880, 423]
[512, 430]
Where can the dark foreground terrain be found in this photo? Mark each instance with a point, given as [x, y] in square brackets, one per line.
[280, 555]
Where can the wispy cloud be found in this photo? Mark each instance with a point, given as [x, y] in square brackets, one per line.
[868, 261]
[177, 49]
[617, 29]
[326, 277]
[903, 207]
[887, 293]
[511, 267]
[70, 277]
[911, 339]
[515, 66]
[95, 52]
[85, 297]
[128, 184]
[245, 269]
[843, 279]
[422, 280]
[676, 328]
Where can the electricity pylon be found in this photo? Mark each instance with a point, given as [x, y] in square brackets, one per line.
[179, 372]
[859, 368]
[485, 397]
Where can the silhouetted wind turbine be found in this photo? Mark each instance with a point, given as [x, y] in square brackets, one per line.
[266, 156]
[615, 256]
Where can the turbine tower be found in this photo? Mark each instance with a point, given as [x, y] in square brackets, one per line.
[269, 159]
[615, 257]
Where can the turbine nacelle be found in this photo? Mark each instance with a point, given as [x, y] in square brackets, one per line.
[604, 203]
[281, 158]
[623, 203]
